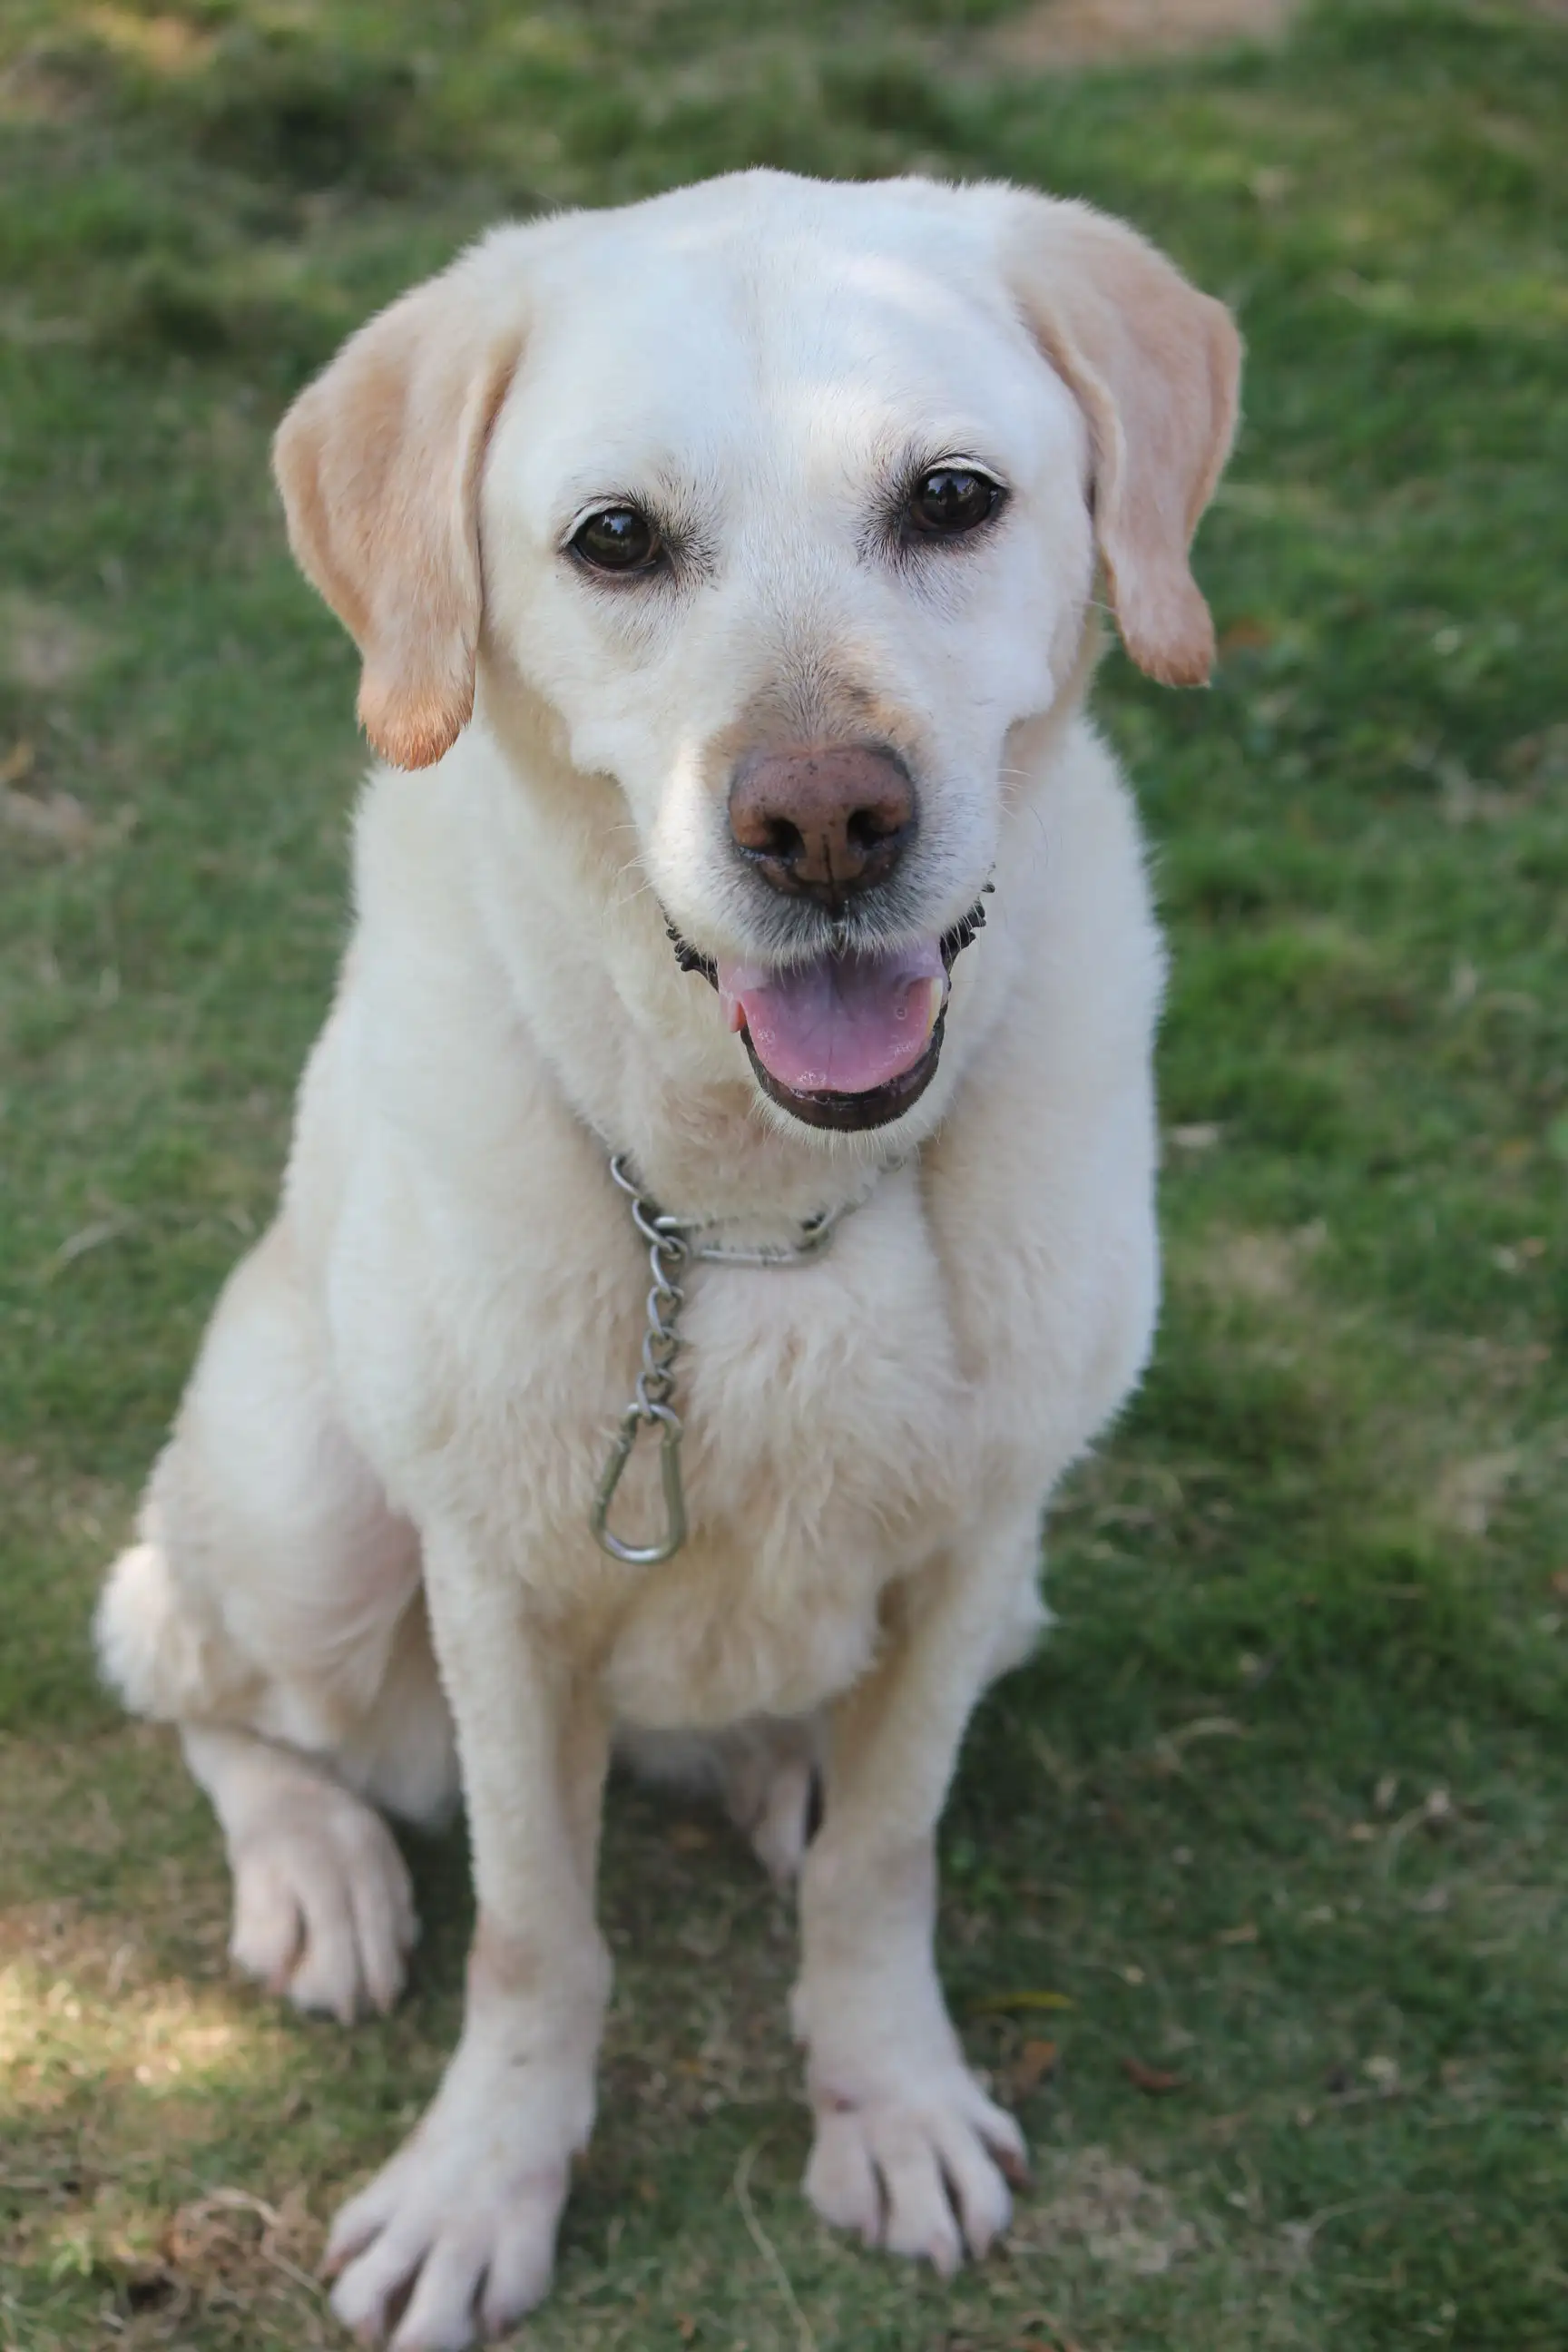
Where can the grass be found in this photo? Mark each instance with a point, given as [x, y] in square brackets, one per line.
[1280, 1810]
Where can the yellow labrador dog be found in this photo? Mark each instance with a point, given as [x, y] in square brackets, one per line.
[700, 1253]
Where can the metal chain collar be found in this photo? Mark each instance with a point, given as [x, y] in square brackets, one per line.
[672, 1244]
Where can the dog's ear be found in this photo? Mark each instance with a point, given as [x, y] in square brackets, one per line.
[1156, 367]
[378, 461]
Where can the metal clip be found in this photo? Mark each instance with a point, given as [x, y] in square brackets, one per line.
[635, 1418]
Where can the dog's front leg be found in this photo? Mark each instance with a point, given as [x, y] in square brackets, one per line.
[909, 2150]
[463, 2220]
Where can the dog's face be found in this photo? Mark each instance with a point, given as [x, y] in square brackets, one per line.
[779, 494]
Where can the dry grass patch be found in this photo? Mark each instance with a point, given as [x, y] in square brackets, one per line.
[1112, 2210]
[1058, 35]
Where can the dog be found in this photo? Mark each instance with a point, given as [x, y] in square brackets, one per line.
[703, 1245]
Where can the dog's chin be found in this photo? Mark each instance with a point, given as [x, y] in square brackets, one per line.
[852, 1114]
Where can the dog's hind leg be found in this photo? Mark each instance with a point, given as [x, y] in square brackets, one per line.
[763, 1772]
[324, 1910]
[272, 1610]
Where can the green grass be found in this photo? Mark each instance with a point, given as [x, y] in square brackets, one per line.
[1282, 1809]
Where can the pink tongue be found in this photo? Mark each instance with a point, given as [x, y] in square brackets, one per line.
[844, 1025]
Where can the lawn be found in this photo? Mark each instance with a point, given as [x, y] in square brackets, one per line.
[1255, 1877]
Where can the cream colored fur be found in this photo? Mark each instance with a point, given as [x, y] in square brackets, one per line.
[388, 1450]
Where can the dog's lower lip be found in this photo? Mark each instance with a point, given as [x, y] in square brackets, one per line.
[853, 1113]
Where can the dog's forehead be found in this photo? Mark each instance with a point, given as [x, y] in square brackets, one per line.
[809, 313]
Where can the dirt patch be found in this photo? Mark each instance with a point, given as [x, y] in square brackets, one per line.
[59, 1939]
[165, 45]
[43, 645]
[1262, 1268]
[1468, 1492]
[1067, 33]
[1111, 2212]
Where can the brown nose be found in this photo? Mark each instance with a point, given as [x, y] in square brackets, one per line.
[825, 823]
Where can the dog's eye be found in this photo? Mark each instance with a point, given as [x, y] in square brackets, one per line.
[618, 539]
[952, 499]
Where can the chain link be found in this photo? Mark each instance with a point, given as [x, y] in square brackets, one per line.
[670, 1247]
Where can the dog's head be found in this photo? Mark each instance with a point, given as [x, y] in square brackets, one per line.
[786, 498]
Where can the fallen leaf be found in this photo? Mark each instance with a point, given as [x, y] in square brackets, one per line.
[997, 2001]
[1152, 2080]
[16, 761]
[1247, 632]
[1246, 1934]
[690, 1837]
[1035, 2064]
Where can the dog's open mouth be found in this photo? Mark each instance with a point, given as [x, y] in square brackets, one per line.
[847, 1041]
[850, 1039]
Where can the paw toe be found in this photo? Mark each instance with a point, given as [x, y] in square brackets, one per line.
[518, 2276]
[977, 2189]
[364, 2294]
[920, 2222]
[841, 2179]
[265, 1943]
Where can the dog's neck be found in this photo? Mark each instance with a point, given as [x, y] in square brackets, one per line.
[636, 1044]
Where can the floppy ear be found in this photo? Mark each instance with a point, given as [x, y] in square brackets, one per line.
[1156, 367]
[379, 463]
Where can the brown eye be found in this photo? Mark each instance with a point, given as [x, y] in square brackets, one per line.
[618, 539]
[950, 500]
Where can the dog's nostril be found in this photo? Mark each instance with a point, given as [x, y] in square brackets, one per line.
[870, 827]
[780, 838]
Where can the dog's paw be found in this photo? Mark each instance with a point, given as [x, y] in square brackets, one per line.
[922, 2173]
[324, 1910]
[461, 2222]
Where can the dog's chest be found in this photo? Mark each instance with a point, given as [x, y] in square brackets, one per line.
[820, 1463]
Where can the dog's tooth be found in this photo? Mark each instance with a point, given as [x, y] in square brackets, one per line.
[937, 988]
